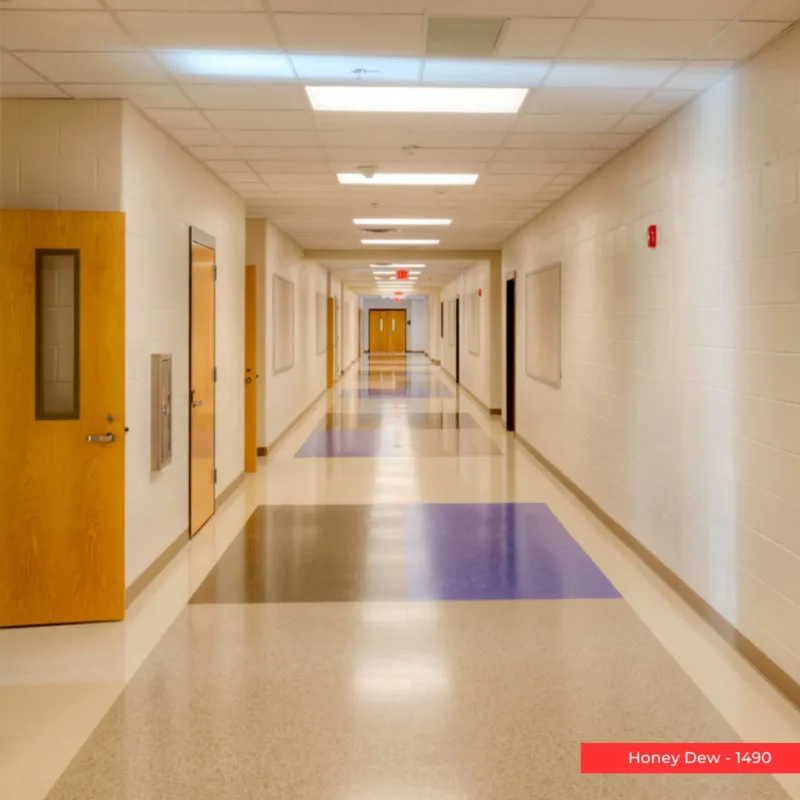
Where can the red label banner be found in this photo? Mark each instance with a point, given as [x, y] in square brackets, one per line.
[704, 758]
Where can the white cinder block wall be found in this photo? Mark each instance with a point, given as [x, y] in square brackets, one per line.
[61, 154]
[165, 191]
[679, 412]
[480, 372]
[289, 393]
[350, 301]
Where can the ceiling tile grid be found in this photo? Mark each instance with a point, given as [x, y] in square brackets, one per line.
[225, 79]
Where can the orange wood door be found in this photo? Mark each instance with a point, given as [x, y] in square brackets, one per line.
[202, 417]
[62, 496]
[331, 343]
[250, 369]
[378, 332]
[360, 346]
[396, 326]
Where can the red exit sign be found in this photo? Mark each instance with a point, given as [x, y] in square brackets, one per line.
[402, 274]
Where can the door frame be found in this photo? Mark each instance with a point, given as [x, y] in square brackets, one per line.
[511, 353]
[250, 344]
[200, 237]
[330, 355]
[458, 339]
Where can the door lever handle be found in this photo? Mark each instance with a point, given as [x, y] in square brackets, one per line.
[105, 438]
[197, 403]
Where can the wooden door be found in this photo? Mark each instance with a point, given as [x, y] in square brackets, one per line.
[396, 328]
[62, 417]
[360, 347]
[331, 344]
[202, 417]
[250, 369]
[378, 332]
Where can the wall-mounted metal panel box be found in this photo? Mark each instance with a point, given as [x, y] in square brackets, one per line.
[160, 411]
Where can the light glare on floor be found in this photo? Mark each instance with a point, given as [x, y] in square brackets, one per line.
[408, 179]
[401, 242]
[416, 99]
[402, 221]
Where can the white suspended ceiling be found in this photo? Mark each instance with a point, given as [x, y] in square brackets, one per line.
[225, 78]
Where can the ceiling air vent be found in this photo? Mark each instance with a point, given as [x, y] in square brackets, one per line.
[463, 37]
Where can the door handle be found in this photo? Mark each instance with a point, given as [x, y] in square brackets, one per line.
[197, 403]
[105, 438]
[248, 380]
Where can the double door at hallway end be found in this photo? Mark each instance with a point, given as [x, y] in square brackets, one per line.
[387, 331]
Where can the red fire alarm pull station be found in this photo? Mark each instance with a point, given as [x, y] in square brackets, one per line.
[652, 236]
[480, 292]
[402, 274]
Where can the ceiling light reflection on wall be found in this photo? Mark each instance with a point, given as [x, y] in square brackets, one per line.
[402, 221]
[269, 66]
[416, 99]
[408, 179]
[401, 242]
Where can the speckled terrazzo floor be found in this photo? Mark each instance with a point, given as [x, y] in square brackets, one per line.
[429, 701]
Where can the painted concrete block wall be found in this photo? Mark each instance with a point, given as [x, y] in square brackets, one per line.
[350, 333]
[289, 393]
[479, 371]
[435, 340]
[679, 412]
[165, 191]
[61, 154]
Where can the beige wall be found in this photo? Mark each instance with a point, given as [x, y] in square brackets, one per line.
[165, 191]
[61, 154]
[290, 392]
[480, 372]
[679, 412]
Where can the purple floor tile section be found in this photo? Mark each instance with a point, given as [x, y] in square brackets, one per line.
[414, 391]
[503, 551]
[343, 443]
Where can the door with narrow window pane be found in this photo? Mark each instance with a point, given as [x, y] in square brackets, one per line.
[62, 417]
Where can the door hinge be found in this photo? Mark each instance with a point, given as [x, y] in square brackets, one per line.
[214, 374]
[215, 271]
[215, 475]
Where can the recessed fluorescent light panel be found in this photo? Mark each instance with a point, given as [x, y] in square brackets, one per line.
[416, 99]
[401, 221]
[408, 179]
[400, 242]
[397, 266]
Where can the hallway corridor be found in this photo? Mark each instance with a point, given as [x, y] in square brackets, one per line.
[401, 605]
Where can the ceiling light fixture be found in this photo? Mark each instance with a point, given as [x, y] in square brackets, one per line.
[401, 242]
[397, 266]
[407, 179]
[402, 221]
[416, 99]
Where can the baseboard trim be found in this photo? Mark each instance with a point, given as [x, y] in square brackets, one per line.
[226, 493]
[780, 679]
[494, 412]
[262, 451]
[296, 421]
[156, 568]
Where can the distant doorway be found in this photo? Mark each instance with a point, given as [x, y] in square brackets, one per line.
[387, 331]
[511, 354]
